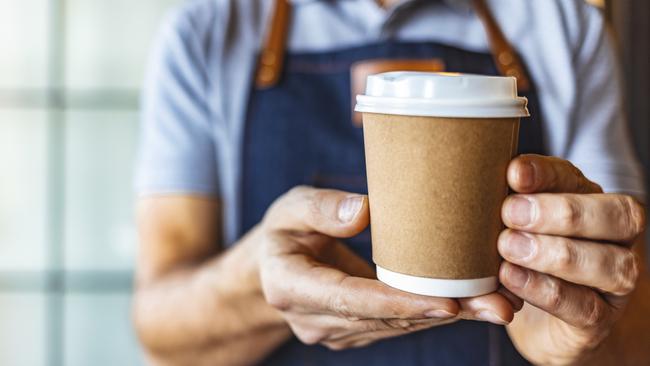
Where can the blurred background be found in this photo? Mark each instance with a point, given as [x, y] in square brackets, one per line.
[70, 73]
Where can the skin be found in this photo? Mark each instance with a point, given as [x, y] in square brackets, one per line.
[291, 274]
[568, 254]
[196, 306]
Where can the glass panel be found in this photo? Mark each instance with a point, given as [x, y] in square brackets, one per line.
[108, 41]
[23, 330]
[23, 189]
[98, 331]
[23, 41]
[99, 224]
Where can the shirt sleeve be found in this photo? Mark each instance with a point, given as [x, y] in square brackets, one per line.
[600, 143]
[177, 152]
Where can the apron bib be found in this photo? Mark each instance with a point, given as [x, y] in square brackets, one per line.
[300, 131]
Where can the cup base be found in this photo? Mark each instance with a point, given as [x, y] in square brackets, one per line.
[436, 286]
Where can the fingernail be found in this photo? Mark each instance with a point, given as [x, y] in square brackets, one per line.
[442, 314]
[520, 211]
[491, 317]
[349, 207]
[518, 246]
[526, 175]
[517, 277]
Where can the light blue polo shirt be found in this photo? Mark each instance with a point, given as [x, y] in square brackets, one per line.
[202, 65]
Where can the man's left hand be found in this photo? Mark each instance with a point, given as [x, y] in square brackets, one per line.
[567, 251]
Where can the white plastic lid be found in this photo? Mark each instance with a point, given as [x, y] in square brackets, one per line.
[442, 95]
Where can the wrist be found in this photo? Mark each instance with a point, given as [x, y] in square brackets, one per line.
[242, 264]
[238, 267]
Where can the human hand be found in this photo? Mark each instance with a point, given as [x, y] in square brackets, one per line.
[567, 252]
[329, 295]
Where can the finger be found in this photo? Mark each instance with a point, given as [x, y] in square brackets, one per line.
[306, 209]
[365, 338]
[493, 308]
[514, 300]
[610, 268]
[609, 217]
[313, 329]
[324, 249]
[343, 258]
[538, 173]
[313, 287]
[576, 305]
[318, 328]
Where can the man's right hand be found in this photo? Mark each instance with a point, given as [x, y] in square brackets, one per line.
[329, 295]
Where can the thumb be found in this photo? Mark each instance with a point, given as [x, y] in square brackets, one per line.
[306, 209]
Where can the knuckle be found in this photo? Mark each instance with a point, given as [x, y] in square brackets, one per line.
[627, 272]
[565, 254]
[579, 182]
[555, 295]
[277, 299]
[596, 187]
[397, 309]
[311, 198]
[582, 184]
[377, 325]
[396, 323]
[570, 214]
[311, 336]
[339, 304]
[634, 216]
[314, 203]
[596, 314]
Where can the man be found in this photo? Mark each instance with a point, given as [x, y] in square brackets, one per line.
[276, 169]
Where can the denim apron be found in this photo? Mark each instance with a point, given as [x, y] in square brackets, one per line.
[300, 132]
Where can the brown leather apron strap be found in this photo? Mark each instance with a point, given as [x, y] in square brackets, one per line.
[269, 68]
[505, 56]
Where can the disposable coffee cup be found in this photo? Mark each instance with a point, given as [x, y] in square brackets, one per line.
[437, 148]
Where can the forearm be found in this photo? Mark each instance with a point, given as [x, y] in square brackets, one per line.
[211, 313]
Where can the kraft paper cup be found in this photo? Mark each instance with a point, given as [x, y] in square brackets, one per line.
[437, 149]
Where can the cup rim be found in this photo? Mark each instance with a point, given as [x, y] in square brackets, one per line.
[467, 108]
